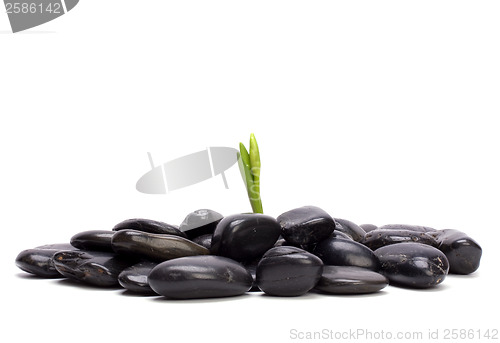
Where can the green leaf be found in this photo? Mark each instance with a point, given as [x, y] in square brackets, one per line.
[250, 172]
[254, 159]
[255, 170]
[244, 164]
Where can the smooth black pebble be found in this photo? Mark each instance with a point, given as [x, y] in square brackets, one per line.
[384, 236]
[350, 228]
[413, 265]
[338, 251]
[416, 228]
[39, 261]
[97, 268]
[93, 240]
[200, 277]
[157, 247]
[350, 280]
[148, 225]
[463, 253]
[200, 222]
[243, 237]
[288, 271]
[135, 278]
[340, 234]
[305, 225]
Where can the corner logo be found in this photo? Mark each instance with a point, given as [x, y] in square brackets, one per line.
[187, 170]
[25, 14]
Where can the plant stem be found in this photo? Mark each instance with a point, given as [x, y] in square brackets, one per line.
[249, 164]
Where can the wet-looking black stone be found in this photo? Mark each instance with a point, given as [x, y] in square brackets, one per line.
[350, 280]
[244, 237]
[338, 251]
[200, 277]
[39, 261]
[413, 265]
[98, 268]
[157, 247]
[148, 225]
[305, 225]
[200, 222]
[288, 271]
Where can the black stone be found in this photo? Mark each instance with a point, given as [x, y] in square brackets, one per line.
[93, 240]
[244, 237]
[413, 265]
[368, 227]
[155, 247]
[306, 225]
[200, 277]
[463, 253]
[350, 228]
[340, 234]
[350, 280]
[416, 228]
[135, 278]
[204, 240]
[200, 222]
[384, 236]
[98, 268]
[39, 261]
[288, 271]
[151, 226]
[343, 252]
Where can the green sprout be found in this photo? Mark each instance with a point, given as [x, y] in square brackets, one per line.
[249, 164]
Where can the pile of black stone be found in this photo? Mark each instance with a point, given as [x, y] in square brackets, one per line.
[302, 250]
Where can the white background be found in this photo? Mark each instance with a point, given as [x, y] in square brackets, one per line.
[376, 111]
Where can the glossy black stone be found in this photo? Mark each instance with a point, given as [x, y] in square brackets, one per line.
[155, 247]
[368, 227]
[200, 277]
[413, 265]
[384, 236]
[288, 271]
[39, 261]
[244, 237]
[463, 253]
[148, 225]
[343, 252]
[98, 268]
[350, 228]
[306, 225]
[416, 228]
[204, 240]
[350, 280]
[93, 240]
[135, 278]
[340, 234]
[200, 222]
